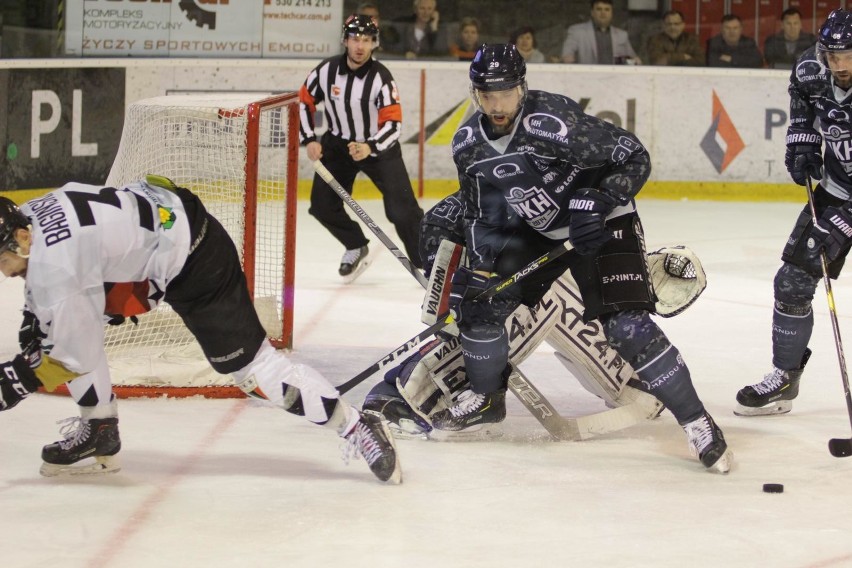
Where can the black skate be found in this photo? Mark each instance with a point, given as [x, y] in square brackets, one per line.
[354, 263]
[372, 439]
[94, 438]
[402, 420]
[472, 409]
[774, 394]
[707, 443]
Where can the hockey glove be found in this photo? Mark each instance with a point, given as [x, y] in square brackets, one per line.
[586, 226]
[29, 338]
[832, 233]
[804, 155]
[17, 382]
[467, 285]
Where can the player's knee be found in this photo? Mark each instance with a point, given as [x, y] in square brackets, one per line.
[634, 336]
[793, 286]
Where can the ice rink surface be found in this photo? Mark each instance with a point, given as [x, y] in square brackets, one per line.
[227, 483]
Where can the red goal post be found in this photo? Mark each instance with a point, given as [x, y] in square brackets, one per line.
[239, 153]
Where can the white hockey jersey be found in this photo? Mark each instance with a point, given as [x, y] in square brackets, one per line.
[96, 251]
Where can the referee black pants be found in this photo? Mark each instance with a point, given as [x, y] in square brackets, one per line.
[388, 172]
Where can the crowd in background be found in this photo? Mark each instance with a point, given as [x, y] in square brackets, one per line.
[425, 34]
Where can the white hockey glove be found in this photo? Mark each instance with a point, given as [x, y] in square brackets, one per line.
[678, 278]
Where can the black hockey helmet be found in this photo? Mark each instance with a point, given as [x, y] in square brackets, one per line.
[497, 67]
[835, 34]
[11, 219]
[358, 24]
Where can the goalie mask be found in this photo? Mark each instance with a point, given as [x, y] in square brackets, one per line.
[835, 41]
[11, 219]
[498, 84]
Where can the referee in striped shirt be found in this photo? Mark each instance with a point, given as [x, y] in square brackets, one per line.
[364, 118]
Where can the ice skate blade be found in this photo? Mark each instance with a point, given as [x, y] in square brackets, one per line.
[777, 407]
[362, 266]
[101, 465]
[480, 432]
[724, 464]
[407, 430]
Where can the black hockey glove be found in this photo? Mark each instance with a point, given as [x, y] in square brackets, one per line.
[17, 382]
[586, 226]
[804, 155]
[467, 285]
[29, 338]
[832, 233]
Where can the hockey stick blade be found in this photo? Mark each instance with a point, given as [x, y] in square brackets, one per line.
[326, 175]
[840, 447]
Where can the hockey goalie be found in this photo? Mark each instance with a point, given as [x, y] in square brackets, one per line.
[430, 381]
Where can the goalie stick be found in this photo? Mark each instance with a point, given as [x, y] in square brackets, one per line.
[323, 172]
[444, 319]
[838, 447]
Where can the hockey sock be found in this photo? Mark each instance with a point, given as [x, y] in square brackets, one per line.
[486, 351]
[791, 332]
[657, 363]
[792, 318]
[668, 379]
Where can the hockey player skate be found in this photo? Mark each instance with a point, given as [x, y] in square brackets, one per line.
[354, 263]
[707, 443]
[401, 419]
[472, 410]
[83, 439]
[371, 438]
[774, 394]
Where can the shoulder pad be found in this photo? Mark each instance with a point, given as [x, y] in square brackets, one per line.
[809, 70]
[467, 136]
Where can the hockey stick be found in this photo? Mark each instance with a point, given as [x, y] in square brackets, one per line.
[323, 172]
[444, 319]
[839, 447]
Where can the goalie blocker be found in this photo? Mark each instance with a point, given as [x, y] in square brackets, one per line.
[430, 380]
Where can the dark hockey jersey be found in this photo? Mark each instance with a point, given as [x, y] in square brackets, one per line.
[812, 98]
[531, 174]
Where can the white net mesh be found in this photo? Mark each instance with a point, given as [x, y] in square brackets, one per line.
[200, 142]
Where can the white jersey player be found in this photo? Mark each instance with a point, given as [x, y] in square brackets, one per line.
[87, 252]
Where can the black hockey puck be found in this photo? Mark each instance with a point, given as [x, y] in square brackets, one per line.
[773, 488]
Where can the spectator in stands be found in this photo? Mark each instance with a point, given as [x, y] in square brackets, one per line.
[388, 35]
[674, 46]
[597, 41]
[784, 48]
[468, 39]
[731, 48]
[524, 40]
[421, 33]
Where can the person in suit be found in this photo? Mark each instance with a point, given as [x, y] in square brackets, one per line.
[597, 41]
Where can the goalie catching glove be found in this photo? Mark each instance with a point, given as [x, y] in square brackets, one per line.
[17, 382]
[678, 278]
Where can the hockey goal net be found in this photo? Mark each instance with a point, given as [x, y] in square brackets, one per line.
[239, 153]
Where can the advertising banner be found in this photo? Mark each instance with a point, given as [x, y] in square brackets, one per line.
[61, 125]
[203, 28]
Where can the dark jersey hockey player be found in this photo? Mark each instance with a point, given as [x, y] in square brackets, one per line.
[536, 171]
[820, 92]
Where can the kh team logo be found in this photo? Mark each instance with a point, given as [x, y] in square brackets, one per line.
[722, 142]
[533, 205]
